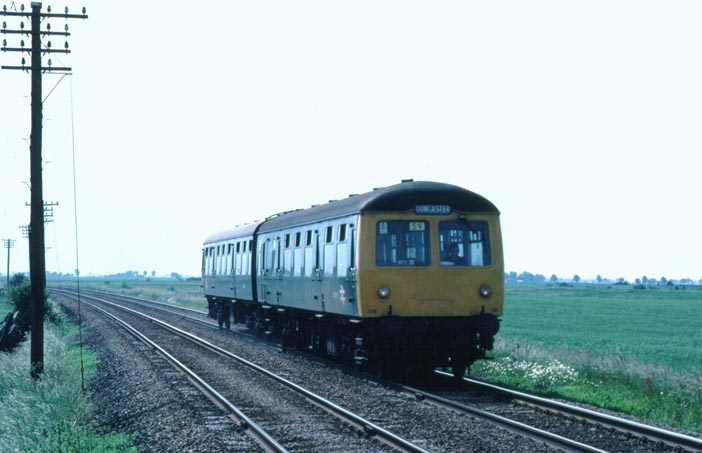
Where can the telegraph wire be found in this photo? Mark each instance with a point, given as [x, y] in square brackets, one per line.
[55, 86]
[75, 222]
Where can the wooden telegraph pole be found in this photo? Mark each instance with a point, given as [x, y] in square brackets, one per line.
[37, 267]
[9, 243]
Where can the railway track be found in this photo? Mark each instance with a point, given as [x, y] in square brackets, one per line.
[262, 437]
[652, 438]
[597, 427]
[540, 435]
[265, 440]
[628, 427]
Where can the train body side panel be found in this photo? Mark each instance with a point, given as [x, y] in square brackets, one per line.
[309, 267]
[226, 269]
[434, 289]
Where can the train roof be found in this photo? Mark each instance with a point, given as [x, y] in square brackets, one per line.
[399, 198]
[237, 232]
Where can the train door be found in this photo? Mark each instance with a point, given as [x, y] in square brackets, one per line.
[346, 268]
[276, 272]
[232, 268]
[328, 283]
[205, 273]
[317, 275]
[209, 268]
[264, 271]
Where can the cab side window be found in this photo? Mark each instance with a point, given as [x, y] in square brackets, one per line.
[464, 243]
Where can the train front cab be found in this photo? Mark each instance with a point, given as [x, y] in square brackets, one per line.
[419, 304]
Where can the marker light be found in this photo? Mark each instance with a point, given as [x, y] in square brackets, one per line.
[485, 290]
[383, 292]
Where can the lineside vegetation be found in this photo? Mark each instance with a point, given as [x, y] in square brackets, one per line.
[51, 414]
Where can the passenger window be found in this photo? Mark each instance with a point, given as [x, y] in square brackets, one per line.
[221, 259]
[329, 259]
[402, 243]
[276, 254]
[287, 241]
[328, 236]
[230, 259]
[342, 260]
[298, 239]
[310, 261]
[288, 261]
[308, 238]
[298, 262]
[464, 243]
[245, 267]
[342, 232]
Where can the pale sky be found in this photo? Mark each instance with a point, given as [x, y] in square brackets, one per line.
[581, 121]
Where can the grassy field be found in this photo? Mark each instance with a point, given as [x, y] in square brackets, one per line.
[637, 351]
[51, 414]
[184, 293]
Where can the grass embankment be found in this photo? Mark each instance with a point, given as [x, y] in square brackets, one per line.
[52, 413]
[184, 293]
[636, 351]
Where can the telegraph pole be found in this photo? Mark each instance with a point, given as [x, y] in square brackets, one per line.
[9, 243]
[37, 265]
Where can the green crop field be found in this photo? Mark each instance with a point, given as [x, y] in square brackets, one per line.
[635, 350]
[657, 326]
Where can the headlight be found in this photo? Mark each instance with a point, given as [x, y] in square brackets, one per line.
[485, 290]
[383, 292]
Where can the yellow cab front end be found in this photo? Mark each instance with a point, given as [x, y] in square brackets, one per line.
[435, 264]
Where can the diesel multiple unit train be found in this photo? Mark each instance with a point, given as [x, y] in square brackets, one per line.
[402, 279]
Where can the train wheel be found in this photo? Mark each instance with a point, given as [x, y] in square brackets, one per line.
[381, 370]
[421, 373]
[379, 362]
[458, 369]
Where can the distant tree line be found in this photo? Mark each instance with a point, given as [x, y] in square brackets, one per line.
[131, 275]
[511, 277]
[528, 277]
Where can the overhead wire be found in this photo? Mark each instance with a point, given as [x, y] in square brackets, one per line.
[75, 220]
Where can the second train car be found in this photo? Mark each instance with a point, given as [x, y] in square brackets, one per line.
[402, 279]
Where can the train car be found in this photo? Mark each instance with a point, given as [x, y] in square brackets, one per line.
[402, 279]
[227, 259]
